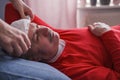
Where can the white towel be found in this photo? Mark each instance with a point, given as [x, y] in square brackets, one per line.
[22, 24]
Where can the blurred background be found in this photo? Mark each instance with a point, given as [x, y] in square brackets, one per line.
[73, 13]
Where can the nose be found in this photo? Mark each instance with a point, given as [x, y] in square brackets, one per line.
[43, 31]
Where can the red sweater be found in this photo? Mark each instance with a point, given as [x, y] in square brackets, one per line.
[85, 57]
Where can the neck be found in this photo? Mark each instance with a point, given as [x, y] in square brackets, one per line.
[59, 51]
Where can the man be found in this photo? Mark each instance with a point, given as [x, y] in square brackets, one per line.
[77, 52]
[16, 43]
[80, 56]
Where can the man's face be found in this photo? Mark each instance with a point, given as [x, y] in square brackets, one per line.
[44, 43]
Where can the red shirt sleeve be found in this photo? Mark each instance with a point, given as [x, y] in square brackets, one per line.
[111, 42]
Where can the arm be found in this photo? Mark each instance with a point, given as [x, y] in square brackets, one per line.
[22, 8]
[93, 73]
[12, 40]
[111, 40]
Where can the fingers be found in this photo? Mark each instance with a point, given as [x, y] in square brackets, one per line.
[22, 8]
[91, 27]
[30, 14]
[22, 14]
[17, 50]
[26, 11]
[24, 44]
[99, 28]
[27, 41]
[19, 46]
[13, 49]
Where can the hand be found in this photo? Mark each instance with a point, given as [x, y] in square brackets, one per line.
[22, 8]
[33, 55]
[13, 41]
[99, 28]
[33, 52]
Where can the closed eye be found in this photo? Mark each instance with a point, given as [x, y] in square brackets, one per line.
[35, 37]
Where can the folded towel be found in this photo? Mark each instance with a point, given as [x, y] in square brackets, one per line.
[22, 24]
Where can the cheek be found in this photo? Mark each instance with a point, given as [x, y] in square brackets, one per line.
[31, 31]
[30, 34]
[47, 47]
